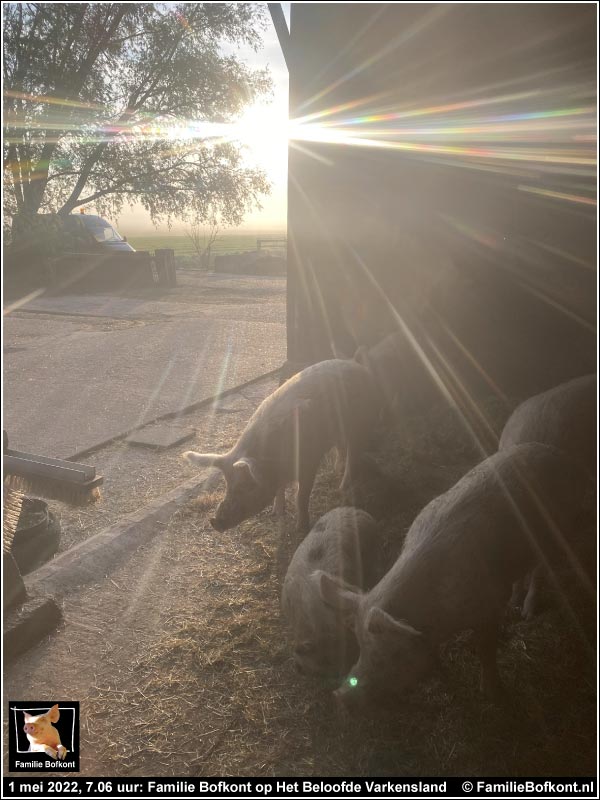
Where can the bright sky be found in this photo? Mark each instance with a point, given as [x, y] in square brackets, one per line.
[264, 127]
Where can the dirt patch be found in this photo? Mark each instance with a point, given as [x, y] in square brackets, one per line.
[181, 663]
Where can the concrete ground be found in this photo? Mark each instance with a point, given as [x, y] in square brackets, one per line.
[82, 369]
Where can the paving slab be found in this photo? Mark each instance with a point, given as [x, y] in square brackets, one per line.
[160, 436]
[72, 382]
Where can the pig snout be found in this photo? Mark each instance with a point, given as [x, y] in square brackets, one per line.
[243, 499]
[29, 729]
[330, 659]
[348, 700]
[223, 518]
[362, 699]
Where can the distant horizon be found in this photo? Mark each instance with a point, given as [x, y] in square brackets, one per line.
[179, 230]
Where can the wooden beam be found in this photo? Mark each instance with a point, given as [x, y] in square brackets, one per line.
[281, 29]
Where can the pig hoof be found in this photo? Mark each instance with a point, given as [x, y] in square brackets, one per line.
[529, 614]
[517, 598]
[279, 504]
[532, 608]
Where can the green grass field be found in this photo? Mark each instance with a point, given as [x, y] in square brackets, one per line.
[181, 244]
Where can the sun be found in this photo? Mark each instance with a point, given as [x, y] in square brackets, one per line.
[263, 131]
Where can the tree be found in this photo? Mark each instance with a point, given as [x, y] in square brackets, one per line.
[104, 104]
[202, 239]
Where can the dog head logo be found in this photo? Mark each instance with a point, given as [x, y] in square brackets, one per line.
[43, 736]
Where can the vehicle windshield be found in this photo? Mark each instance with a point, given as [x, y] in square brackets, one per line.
[100, 229]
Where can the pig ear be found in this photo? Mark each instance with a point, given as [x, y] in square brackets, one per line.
[337, 594]
[253, 467]
[27, 716]
[379, 621]
[54, 713]
[204, 459]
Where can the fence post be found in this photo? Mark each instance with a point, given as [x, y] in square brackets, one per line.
[165, 265]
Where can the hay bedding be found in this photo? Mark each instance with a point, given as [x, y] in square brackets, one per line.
[215, 691]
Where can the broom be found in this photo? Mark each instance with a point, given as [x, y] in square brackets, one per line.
[53, 478]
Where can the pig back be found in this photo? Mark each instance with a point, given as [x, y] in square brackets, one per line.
[345, 543]
[399, 372]
[325, 404]
[466, 548]
[563, 417]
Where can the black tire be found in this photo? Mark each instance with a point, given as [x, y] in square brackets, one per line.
[37, 536]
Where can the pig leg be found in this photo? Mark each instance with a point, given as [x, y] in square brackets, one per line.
[355, 447]
[519, 592]
[533, 603]
[349, 469]
[487, 646]
[50, 751]
[306, 479]
[279, 504]
[341, 452]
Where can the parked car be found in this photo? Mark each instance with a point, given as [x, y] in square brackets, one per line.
[92, 231]
[44, 235]
[81, 251]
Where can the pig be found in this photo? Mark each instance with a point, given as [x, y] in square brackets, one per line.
[43, 736]
[344, 543]
[461, 556]
[563, 417]
[396, 362]
[329, 404]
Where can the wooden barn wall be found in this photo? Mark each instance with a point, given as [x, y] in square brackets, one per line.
[464, 249]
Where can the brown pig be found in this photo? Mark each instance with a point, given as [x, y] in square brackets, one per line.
[461, 556]
[344, 543]
[329, 404]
